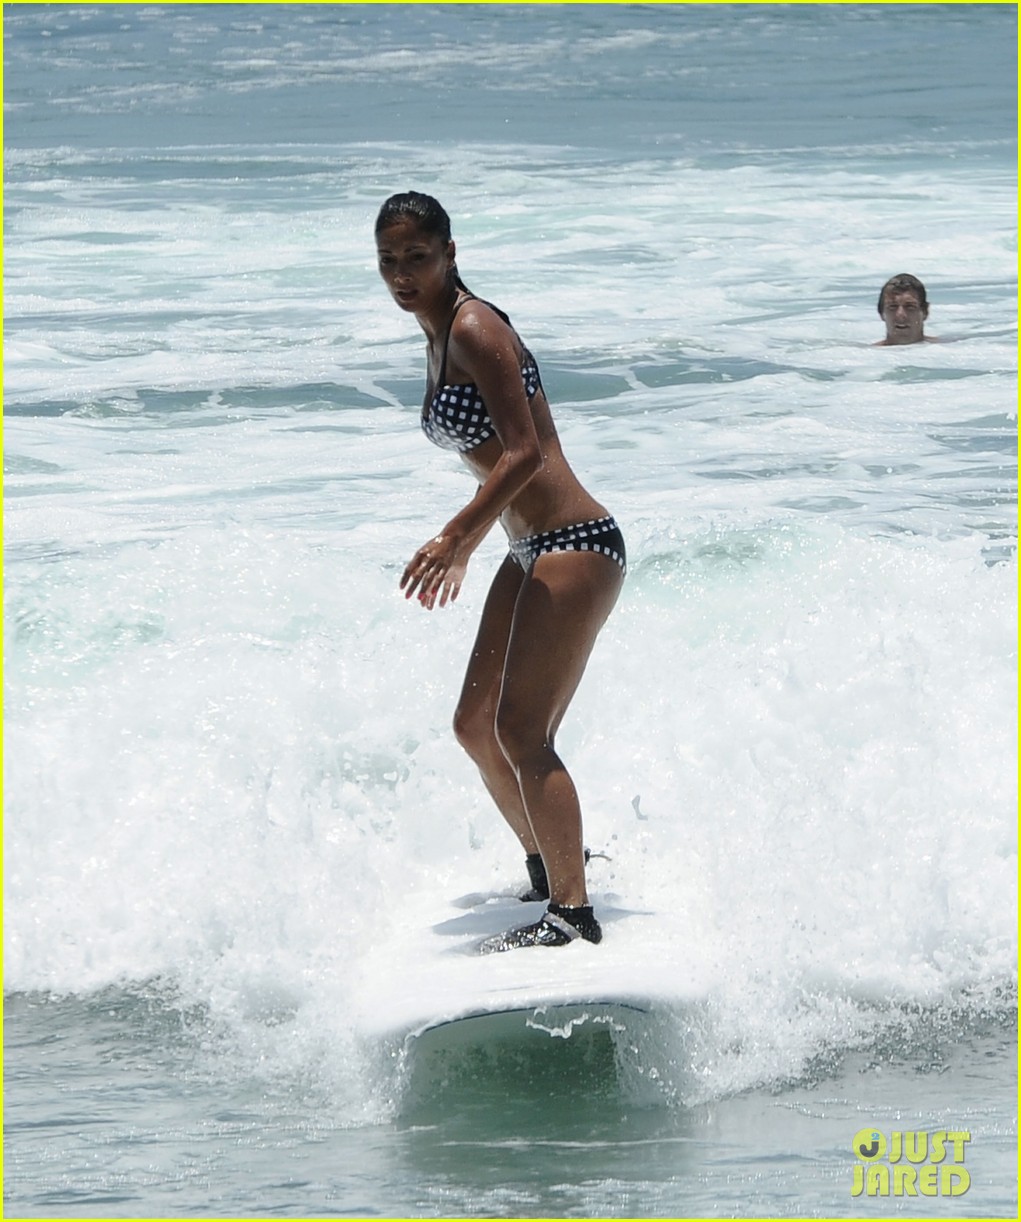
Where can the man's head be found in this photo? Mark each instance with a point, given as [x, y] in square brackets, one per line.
[904, 308]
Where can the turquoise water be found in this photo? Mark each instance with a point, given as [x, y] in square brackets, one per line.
[151, 1118]
[228, 762]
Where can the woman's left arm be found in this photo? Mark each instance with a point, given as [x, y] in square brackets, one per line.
[484, 346]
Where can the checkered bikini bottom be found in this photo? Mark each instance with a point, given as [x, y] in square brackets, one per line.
[600, 535]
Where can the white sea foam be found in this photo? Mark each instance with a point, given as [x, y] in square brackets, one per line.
[228, 758]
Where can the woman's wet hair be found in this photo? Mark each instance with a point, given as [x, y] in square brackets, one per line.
[903, 283]
[428, 213]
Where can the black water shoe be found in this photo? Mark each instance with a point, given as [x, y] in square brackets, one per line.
[559, 925]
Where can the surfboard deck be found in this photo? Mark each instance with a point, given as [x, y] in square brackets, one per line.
[429, 975]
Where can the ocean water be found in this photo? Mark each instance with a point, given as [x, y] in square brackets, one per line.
[229, 770]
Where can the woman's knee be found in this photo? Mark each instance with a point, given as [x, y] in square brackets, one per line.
[475, 731]
[517, 732]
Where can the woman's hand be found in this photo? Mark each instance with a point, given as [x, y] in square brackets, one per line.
[436, 570]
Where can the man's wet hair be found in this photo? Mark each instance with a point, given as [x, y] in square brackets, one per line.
[904, 283]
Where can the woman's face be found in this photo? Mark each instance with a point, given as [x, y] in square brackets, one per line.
[415, 266]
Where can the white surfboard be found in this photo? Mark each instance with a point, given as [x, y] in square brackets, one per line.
[428, 976]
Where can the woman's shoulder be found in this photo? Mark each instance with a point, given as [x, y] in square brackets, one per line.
[481, 328]
[482, 312]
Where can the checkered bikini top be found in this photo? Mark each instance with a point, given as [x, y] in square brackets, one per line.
[456, 417]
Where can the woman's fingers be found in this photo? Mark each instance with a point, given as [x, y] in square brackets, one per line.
[451, 589]
[431, 574]
[424, 575]
[417, 572]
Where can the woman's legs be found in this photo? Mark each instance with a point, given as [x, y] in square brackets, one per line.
[530, 652]
[561, 606]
